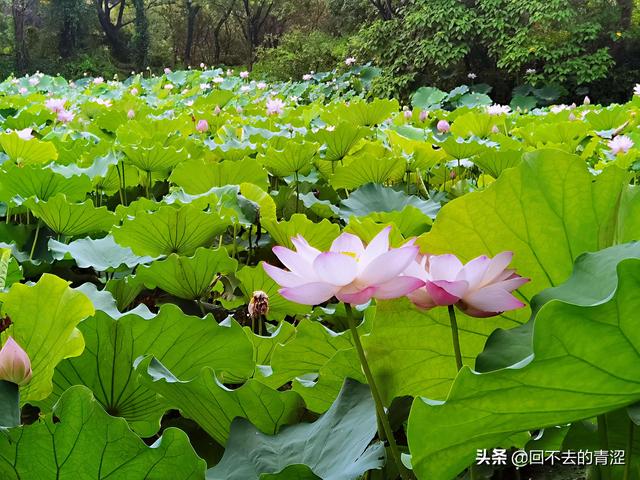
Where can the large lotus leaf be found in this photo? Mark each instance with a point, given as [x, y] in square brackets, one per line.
[44, 183]
[44, 319]
[254, 279]
[198, 176]
[27, 151]
[71, 219]
[474, 124]
[608, 118]
[263, 346]
[494, 162]
[156, 158]
[100, 254]
[371, 164]
[563, 135]
[335, 447]
[571, 375]
[124, 290]
[261, 198]
[103, 301]
[428, 98]
[361, 112]
[205, 400]
[377, 198]
[292, 158]
[169, 230]
[340, 140]
[187, 277]
[10, 270]
[186, 344]
[458, 148]
[80, 440]
[320, 234]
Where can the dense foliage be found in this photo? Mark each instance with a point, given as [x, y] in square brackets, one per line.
[149, 340]
[583, 46]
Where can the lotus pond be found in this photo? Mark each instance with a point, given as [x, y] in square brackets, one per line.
[208, 276]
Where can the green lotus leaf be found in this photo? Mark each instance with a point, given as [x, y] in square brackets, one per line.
[10, 270]
[156, 158]
[320, 234]
[562, 135]
[169, 230]
[261, 198]
[571, 375]
[43, 183]
[474, 124]
[428, 98]
[292, 158]
[71, 219]
[205, 400]
[44, 319]
[523, 103]
[494, 162]
[100, 254]
[198, 176]
[124, 290]
[361, 112]
[27, 151]
[263, 346]
[339, 141]
[346, 430]
[187, 277]
[371, 164]
[9, 404]
[608, 118]
[458, 148]
[80, 440]
[184, 343]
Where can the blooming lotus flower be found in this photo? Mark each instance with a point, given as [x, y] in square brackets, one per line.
[33, 81]
[15, 365]
[472, 76]
[22, 90]
[202, 126]
[349, 271]
[443, 126]
[168, 86]
[56, 105]
[167, 70]
[620, 144]
[350, 61]
[65, 116]
[103, 102]
[481, 288]
[636, 89]
[244, 74]
[218, 80]
[496, 109]
[205, 86]
[25, 133]
[261, 85]
[306, 77]
[131, 114]
[98, 81]
[275, 106]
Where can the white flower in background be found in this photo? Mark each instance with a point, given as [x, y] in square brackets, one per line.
[33, 81]
[261, 85]
[244, 74]
[636, 89]
[245, 88]
[350, 61]
[218, 80]
[620, 144]
[168, 86]
[205, 86]
[472, 76]
[98, 81]
[496, 109]
[531, 71]
[275, 106]
[306, 77]
[558, 108]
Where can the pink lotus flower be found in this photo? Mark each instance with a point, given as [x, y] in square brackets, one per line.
[217, 110]
[218, 80]
[131, 114]
[620, 144]
[306, 77]
[15, 365]
[56, 105]
[25, 133]
[202, 65]
[349, 271]
[22, 90]
[244, 74]
[134, 91]
[202, 126]
[275, 106]
[443, 126]
[408, 114]
[33, 81]
[350, 61]
[424, 115]
[168, 86]
[167, 70]
[495, 129]
[98, 81]
[481, 288]
[261, 85]
[65, 116]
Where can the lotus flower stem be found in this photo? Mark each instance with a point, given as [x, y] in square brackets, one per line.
[605, 474]
[455, 337]
[386, 432]
[35, 241]
[627, 460]
[297, 190]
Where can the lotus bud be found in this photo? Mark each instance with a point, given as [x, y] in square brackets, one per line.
[259, 304]
[408, 114]
[443, 126]
[134, 91]
[424, 115]
[217, 110]
[572, 117]
[202, 126]
[495, 129]
[15, 365]
[586, 101]
[131, 114]
[167, 70]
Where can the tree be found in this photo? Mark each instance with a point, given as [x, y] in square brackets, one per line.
[251, 17]
[113, 27]
[191, 13]
[141, 36]
[19, 9]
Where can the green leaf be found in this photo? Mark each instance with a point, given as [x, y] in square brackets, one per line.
[428, 98]
[198, 176]
[361, 112]
[572, 375]
[187, 277]
[473, 123]
[71, 219]
[320, 234]
[169, 230]
[339, 141]
[44, 319]
[186, 344]
[101, 254]
[44, 183]
[371, 164]
[346, 430]
[458, 148]
[156, 158]
[80, 440]
[27, 151]
[9, 404]
[213, 406]
[292, 158]
[494, 162]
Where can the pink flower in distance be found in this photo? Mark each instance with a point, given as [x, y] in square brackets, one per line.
[620, 144]
[261, 85]
[131, 114]
[306, 77]
[167, 70]
[443, 126]
[349, 271]
[134, 91]
[202, 126]
[56, 105]
[481, 288]
[22, 90]
[65, 116]
[244, 74]
[424, 115]
[98, 81]
[15, 365]
[350, 61]
[408, 114]
[275, 106]
[217, 110]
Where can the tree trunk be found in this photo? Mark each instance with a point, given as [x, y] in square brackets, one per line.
[192, 14]
[112, 31]
[19, 10]
[626, 12]
[141, 38]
